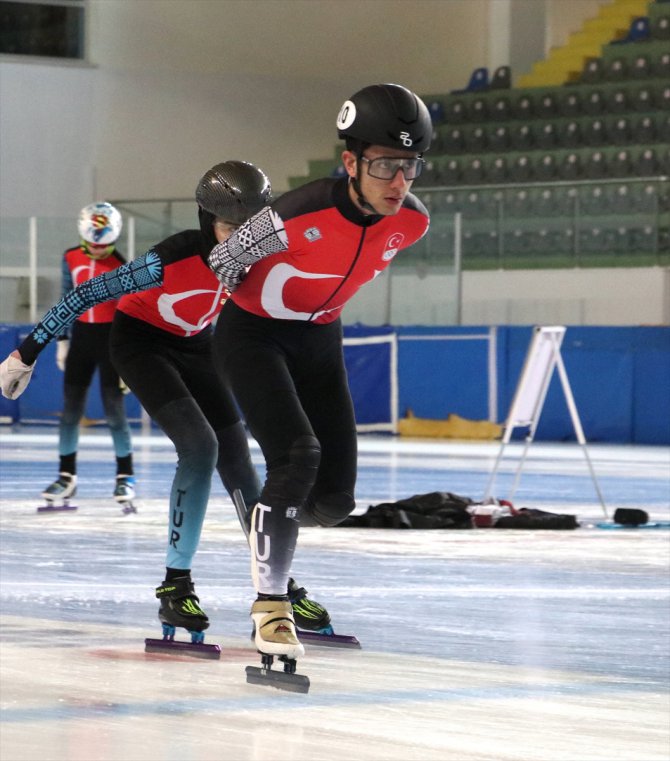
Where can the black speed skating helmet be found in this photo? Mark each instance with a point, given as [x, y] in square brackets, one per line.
[389, 115]
[234, 191]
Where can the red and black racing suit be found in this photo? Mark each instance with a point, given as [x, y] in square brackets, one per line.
[279, 344]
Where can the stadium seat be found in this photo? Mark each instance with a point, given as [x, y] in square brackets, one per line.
[476, 140]
[660, 66]
[594, 200]
[595, 166]
[663, 129]
[643, 239]
[621, 164]
[646, 163]
[620, 132]
[501, 109]
[616, 69]
[523, 106]
[500, 138]
[660, 27]
[661, 98]
[474, 171]
[478, 110]
[501, 79]
[452, 172]
[594, 103]
[593, 71]
[436, 111]
[479, 80]
[546, 106]
[569, 104]
[639, 31]
[644, 130]
[617, 101]
[521, 169]
[518, 203]
[498, 171]
[453, 141]
[641, 68]
[547, 135]
[455, 111]
[545, 167]
[570, 134]
[570, 167]
[643, 99]
[523, 137]
[594, 132]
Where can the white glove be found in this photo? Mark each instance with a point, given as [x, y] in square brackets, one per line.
[14, 377]
[62, 348]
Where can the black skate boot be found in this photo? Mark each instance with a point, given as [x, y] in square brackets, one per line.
[57, 495]
[180, 607]
[313, 621]
[308, 614]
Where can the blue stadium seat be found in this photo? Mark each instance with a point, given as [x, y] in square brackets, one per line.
[479, 80]
[639, 31]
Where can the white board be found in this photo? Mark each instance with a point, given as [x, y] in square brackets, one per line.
[536, 374]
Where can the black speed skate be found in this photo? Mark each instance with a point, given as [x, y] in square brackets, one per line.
[313, 621]
[180, 607]
[57, 495]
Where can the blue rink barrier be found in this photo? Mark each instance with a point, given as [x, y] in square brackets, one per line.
[620, 378]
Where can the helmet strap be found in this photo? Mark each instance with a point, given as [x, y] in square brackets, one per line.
[356, 183]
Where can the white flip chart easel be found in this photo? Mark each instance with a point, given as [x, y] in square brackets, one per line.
[544, 355]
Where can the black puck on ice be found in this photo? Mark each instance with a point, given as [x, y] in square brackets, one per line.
[630, 517]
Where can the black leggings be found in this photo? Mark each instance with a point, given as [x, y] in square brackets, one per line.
[290, 382]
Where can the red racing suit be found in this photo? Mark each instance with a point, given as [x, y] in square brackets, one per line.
[333, 250]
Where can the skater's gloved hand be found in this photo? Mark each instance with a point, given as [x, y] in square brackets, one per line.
[62, 348]
[14, 376]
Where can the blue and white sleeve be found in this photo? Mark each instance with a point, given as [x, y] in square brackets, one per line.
[139, 275]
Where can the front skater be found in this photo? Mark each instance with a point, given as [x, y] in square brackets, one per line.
[161, 343]
[87, 347]
[279, 340]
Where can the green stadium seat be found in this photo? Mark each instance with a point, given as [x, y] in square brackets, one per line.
[453, 140]
[500, 138]
[455, 111]
[452, 172]
[546, 167]
[476, 140]
[498, 171]
[594, 132]
[523, 137]
[616, 69]
[596, 165]
[659, 28]
[569, 103]
[478, 109]
[620, 131]
[501, 79]
[661, 66]
[501, 108]
[547, 135]
[646, 163]
[641, 68]
[570, 167]
[570, 134]
[594, 103]
[593, 71]
[546, 105]
[617, 101]
[523, 106]
[644, 130]
[474, 171]
[521, 169]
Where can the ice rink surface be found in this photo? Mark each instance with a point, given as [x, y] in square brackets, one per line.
[479, 645]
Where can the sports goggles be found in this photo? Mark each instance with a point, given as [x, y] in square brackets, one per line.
[386, 167]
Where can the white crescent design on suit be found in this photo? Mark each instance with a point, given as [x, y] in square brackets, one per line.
[271, 296]
[167, 301]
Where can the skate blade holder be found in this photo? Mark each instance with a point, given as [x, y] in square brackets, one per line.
[50, 507]
[169, 645]
[282, 680]
[321, 639]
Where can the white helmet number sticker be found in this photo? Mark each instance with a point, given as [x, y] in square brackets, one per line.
[347, 115]
[406, 139]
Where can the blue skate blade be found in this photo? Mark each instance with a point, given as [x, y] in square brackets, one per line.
[55, 508]
[174, 647]
[279, 679]
[328, 640]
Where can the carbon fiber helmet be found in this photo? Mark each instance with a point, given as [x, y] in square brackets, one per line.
[100, 223]
[389, 115]
[234, 191]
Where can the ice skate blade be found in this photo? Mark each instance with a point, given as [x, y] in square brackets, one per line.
[51, 508]
[174, 647]
[127, 508]
[279, 679]
[623, 526]
[328, 640]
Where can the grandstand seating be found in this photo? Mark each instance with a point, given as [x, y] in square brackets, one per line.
[580, 167]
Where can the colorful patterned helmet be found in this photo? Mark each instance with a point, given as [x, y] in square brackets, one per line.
[100, 223]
